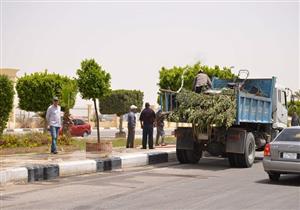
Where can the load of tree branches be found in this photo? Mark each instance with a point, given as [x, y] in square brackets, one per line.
[205, 110]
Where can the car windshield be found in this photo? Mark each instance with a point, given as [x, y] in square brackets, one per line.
[292, 134]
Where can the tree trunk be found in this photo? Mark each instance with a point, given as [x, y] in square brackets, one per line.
[97, 121]
[121, 124]
[66, 122]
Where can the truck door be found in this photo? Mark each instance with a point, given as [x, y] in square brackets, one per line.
[282, 116]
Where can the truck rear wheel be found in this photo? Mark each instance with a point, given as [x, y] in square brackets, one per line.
[232, 158]
[181, 156]
[246, 160]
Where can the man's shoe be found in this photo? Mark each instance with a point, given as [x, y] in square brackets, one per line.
[55, 152]
[143, 148]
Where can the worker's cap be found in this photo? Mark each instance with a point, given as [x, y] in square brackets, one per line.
[55, 98]
[133, 107]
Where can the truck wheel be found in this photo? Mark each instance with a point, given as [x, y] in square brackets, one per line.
[193, 156]
[232, 159]
[181, 156]
[246, 160]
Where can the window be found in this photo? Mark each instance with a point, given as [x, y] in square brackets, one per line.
[292, 134]
[80, 122]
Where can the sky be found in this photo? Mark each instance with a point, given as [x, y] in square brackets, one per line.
[132, 40]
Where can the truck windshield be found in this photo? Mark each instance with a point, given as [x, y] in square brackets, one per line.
[292, 134]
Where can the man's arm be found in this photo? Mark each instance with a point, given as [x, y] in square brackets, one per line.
[48, 115]
[141, 119]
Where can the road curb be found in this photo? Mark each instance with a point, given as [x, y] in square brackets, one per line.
[41, 172]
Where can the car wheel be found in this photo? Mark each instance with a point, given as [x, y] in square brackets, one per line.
[85, 134]
[274, 176]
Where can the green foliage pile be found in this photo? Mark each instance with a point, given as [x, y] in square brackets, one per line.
[204, 110]
[6, 100]
[31, 140]
[36, 91]
[171, 78]
[119, 101]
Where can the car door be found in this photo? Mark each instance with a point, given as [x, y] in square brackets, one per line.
[73, 128]
[80, 127]
[286, 146]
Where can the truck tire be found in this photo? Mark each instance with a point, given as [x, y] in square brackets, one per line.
[181, 156]
[232, 160]
[193, 156]
[246, 160]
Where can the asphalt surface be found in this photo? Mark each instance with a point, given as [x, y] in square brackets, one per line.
[211, 184]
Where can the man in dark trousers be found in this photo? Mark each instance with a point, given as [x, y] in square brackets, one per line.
[131, 127]
[201, 82]
[147, 119]
[295, 120]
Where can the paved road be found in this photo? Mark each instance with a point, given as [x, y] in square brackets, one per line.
[211, 184]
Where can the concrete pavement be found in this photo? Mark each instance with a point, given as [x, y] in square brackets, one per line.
[210, 185]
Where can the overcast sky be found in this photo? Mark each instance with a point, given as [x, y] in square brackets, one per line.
[132, 41]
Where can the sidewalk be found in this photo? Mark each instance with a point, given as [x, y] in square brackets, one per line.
[34, 167]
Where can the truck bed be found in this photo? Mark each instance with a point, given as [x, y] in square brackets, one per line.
[254, 99]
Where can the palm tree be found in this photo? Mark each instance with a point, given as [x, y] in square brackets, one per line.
[297, 94]
[68, 98]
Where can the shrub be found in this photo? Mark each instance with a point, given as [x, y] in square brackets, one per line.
[33, 139]
[6, 100]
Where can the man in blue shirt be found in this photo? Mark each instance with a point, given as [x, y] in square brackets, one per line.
[131, 119]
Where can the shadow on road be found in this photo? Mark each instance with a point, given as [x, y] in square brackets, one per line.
[208, 163]
[285, 180]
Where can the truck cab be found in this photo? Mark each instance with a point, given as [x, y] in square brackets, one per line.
[280, 113]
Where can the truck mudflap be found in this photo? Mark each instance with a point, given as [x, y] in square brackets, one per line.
[184, 138]
[235, 141]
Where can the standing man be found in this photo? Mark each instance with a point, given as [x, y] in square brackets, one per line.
[160, 127]
[295, 120]
[54, 121]
[201, 82]
[147, 119]
[131, 126]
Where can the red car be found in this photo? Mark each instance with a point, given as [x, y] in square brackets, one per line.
[79, 128]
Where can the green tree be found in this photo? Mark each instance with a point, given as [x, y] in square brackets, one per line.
[171, 78]
[6, 100]
[36, 91]
[119, 101]
[68, 99]
[294, 107]
[297, 95]
[93, 83]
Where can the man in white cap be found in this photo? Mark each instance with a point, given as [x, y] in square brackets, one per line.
[54, 121]
[131, 126]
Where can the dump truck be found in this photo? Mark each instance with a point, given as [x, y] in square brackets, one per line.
[261, 113]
